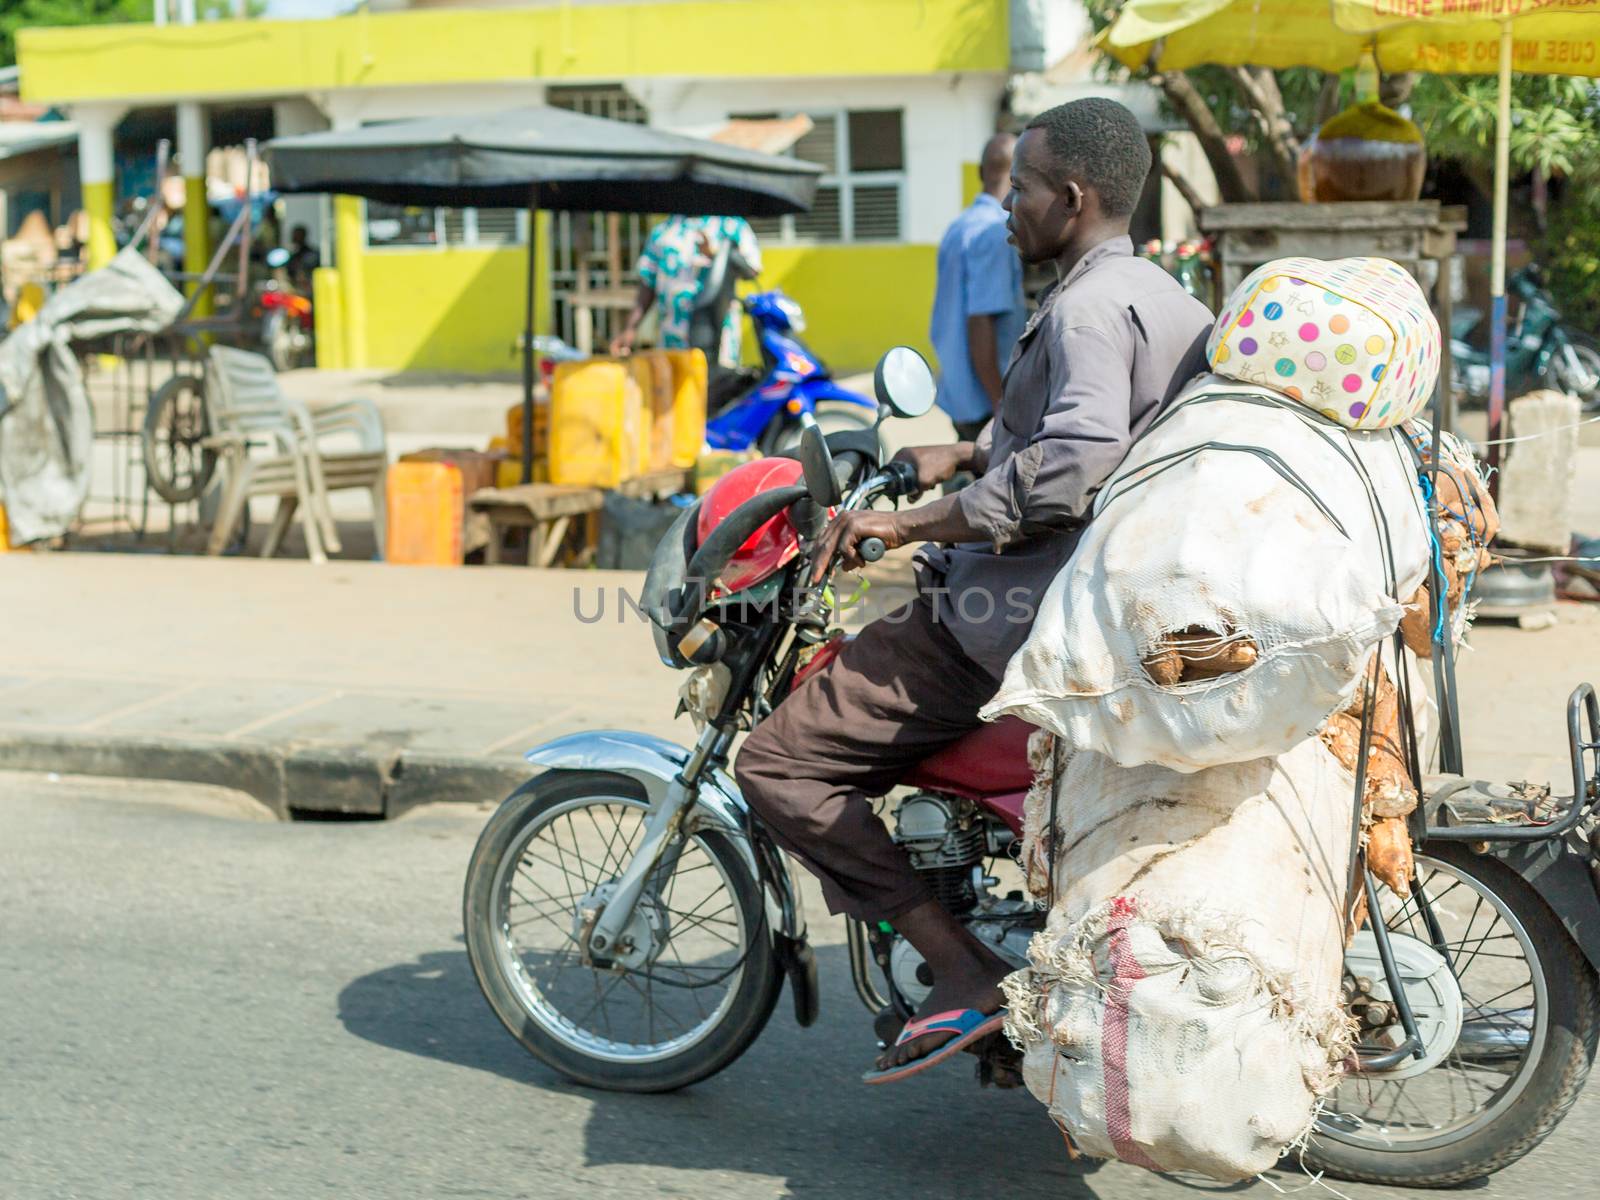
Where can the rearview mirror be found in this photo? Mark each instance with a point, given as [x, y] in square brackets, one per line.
[816, 460]
[904, 382]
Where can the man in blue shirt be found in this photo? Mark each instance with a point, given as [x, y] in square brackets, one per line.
[978, 311]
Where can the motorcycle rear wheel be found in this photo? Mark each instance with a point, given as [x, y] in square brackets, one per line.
[1527, 1092]
[556, 842]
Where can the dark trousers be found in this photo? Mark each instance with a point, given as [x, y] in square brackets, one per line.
[899, 692]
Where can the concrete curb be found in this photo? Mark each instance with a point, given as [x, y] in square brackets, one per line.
[287, 778]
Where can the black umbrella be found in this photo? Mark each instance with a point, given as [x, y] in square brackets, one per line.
[545, 158]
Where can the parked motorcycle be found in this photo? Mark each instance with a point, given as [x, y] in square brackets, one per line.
[632, 923]
[763, 409]
[287, 328]
[1542, 351]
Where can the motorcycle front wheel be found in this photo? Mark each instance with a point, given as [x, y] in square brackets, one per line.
[1577, 370]
[697, 980]
[1531, 1014]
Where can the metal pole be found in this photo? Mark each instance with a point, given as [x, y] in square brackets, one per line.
[248, 235]
[527, 336]
[1497, 267]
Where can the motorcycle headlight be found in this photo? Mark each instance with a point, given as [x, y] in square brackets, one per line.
[791, 310]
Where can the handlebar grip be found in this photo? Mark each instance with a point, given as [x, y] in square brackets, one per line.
[905, 478]
[871, 549]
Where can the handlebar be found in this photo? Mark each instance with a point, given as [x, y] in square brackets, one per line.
[871, 549]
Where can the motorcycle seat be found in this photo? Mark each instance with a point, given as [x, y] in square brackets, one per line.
[990, 761]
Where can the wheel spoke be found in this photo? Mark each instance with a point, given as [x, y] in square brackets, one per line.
[628, 1013]
[1502, 993]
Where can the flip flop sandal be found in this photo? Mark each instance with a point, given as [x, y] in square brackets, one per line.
[969, 1026]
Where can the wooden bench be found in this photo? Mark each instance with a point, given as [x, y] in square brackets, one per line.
[548, 512]
[545, 510]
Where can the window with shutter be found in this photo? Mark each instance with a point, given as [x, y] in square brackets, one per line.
[401, 225]
[876, 215]
[499, 226]
[860, 193]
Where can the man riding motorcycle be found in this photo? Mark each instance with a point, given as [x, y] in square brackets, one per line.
[1111, 342]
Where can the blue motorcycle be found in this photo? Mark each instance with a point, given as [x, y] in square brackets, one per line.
[761, 409]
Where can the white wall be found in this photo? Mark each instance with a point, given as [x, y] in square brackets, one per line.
[947, 120]
[299, 115]
[357, 106]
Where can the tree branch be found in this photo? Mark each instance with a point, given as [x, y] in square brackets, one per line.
[1187, 101]
[1395, 90]
[1327, 100]
[1260, 87]
[1191, 197]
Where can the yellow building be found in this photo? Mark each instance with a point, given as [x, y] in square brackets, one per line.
[901, 95]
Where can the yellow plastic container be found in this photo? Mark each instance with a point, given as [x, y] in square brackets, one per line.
[5, 532]
[596, 420]
[425, 508]
[541, 425]
[655, 376]
[508, 472]
[688, 406]
[712, 465]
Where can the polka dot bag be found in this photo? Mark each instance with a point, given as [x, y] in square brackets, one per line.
[1352, 338]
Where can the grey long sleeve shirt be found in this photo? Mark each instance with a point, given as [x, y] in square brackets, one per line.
[1109, 346]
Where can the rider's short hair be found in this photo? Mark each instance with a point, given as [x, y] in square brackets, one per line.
[1101, 144]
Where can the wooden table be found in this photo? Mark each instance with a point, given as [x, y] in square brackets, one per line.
[548, 512]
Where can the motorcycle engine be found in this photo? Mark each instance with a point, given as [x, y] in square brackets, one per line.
[1007, 925]
[947, 840]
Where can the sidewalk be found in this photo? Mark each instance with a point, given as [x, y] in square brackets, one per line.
[363, 688]
[354, 688]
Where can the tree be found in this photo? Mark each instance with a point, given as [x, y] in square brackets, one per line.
[21, 14]
[1555, 125]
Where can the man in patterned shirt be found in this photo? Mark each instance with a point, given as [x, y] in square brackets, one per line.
[673, 273]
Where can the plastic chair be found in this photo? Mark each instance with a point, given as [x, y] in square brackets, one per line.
[249, 408]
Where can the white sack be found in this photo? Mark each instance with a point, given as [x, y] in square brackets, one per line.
[46, 420]
[1219, 539]
[1182, 1007]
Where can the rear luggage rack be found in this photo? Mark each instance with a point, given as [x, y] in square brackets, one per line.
[1468, 810]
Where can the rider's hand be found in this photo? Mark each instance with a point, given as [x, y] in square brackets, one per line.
[847, 532]
[936, 464]
[622, 344]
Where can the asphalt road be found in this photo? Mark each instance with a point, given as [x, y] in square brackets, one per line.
[194, 1004]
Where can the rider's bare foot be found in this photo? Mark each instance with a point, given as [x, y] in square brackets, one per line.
[966, 974]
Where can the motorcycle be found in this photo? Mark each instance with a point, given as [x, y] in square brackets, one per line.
[1542, 351]
[762, 409]
[287, 327]
[631, 922]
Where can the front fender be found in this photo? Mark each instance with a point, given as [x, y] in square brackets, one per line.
[655, 762]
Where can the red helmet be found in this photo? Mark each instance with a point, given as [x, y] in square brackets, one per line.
[770, 547]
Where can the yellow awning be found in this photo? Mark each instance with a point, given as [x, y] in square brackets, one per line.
[1442, 37]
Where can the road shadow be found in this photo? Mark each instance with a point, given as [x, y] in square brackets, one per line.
[792, 1108]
